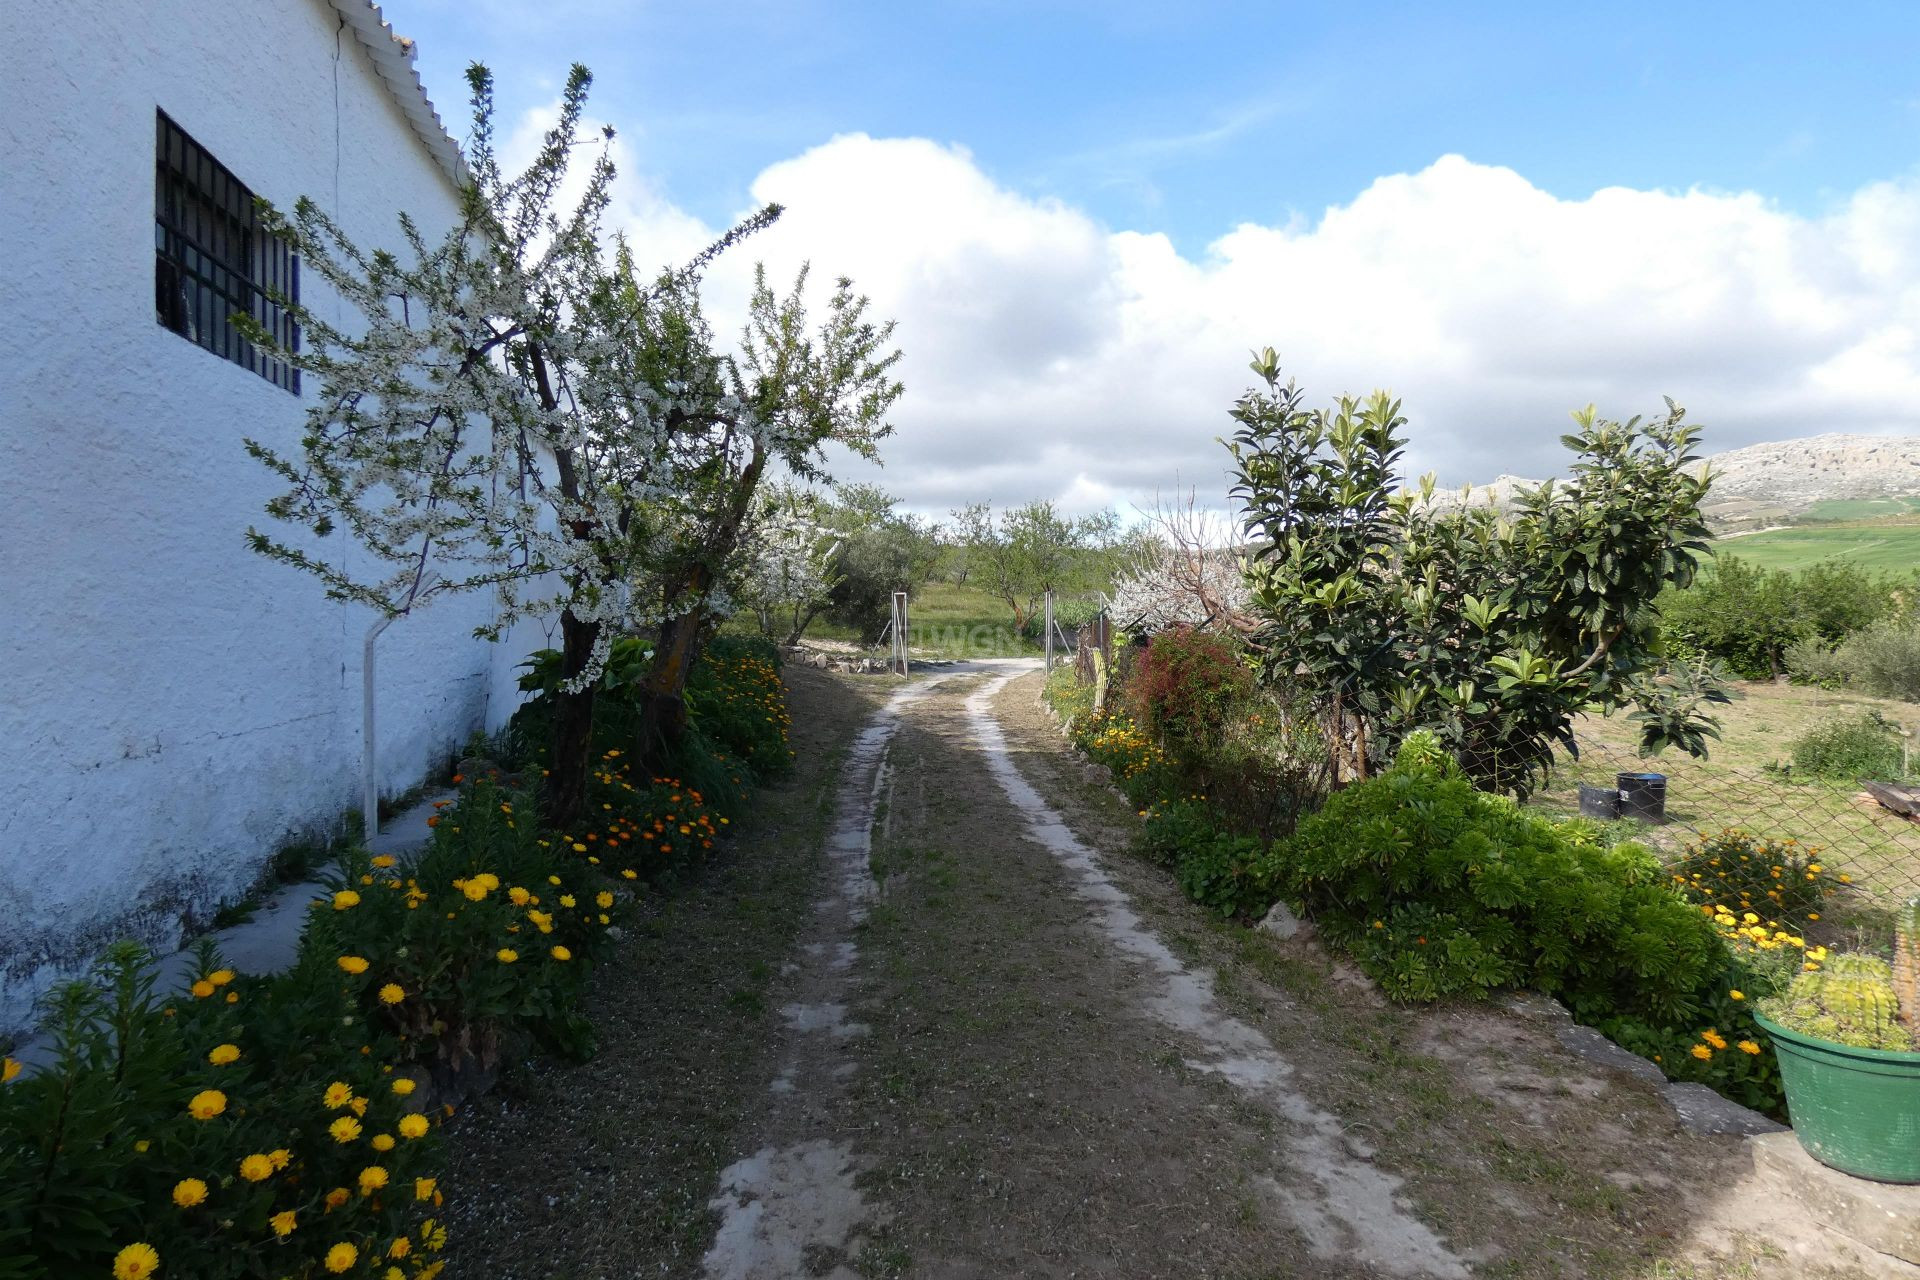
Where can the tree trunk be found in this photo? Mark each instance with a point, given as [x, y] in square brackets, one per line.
[572, 727]
[663, 711]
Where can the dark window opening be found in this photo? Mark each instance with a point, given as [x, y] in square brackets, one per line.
[213, 261]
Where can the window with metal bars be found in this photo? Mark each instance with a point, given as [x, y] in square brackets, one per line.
[212, 260]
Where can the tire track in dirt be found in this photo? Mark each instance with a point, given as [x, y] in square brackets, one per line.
[1346, 1208]
[793, 1208]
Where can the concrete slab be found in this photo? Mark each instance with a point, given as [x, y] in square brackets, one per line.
[268, 941]
[1879, 1215]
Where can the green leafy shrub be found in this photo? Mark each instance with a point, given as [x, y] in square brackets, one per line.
[1848, 748]
[1849, 1001]
[1445, 890]
[1883, 660]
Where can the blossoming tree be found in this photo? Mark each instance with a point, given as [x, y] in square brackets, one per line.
[496, 418]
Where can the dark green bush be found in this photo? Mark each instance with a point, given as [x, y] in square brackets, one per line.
[1444, 890]
[735, 701]
[1849, 748]
[1883, 660]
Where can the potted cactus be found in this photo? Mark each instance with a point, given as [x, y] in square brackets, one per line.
[1848, 1061]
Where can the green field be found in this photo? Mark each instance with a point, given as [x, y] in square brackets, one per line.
[1862, 508]
[1891, 542]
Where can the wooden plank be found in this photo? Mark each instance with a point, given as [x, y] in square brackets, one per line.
[1902, 800]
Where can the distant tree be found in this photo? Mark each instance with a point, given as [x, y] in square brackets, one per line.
[1031, 550]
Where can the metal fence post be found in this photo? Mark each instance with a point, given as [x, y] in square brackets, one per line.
[1048, 633]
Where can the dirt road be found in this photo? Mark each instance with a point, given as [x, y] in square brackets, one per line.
[937, 1021]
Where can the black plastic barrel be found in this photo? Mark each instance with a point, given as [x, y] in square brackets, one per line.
[1643, 796]
[1599, 803]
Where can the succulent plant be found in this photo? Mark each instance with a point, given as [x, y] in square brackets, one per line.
[1906, 961]
[1851, 1002]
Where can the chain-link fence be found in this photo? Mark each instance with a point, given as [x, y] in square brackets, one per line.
[1862, 832]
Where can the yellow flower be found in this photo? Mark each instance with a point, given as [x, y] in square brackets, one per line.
[202, 989]
[384, 860]
[372, 1178]
[345, 899]
[403, 1086]
[413, 1126]
[344, 1130]
[281, 1157]
[506, 955]
[1736, 995]
[222, 1054]
[9, 1068]
[355, 965]
[189, 1192]
[135, 1262]
[400, 1248]
[284, 1223]
[628, 873]
[603, 899]
[561, 953]
[337, 1096]
[207, 1104]
[392, 993]
[337, 1197]
[518, 896]
[1701, 1052]
[1714, 1038]
[256, 1168]
[381, 1142]
[142, 1145]
[474, 890]
[567, 901]
[359, 1105]
[1748, 1046]
[342, 1257]
[423, 1188]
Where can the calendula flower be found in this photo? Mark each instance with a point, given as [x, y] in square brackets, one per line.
[474, 890]
[344, 1130]
[207, 1104]
[423, 1188]
[1748, 1047]
[355, 965]
[403, 1086]
[1714, 1038]
[341, 1257]
[256, 1168]
[221, 977]
[1736, 995]
[281, 1157]
[1701, 1052]
[372, 1178]
[201, 989]
[400, 1248]
[135, 1262]
[392, 993]
[567, 901]
[561, 953]
[384, 860]
[413, 1126]
[381, 1142]
[222, 1054]
[337, 1197]
[603, 899]
[189, 1192]
[338, 1095]
[283, 1223]
[9, 1068]
[345, 900]
[519, 897]
[506, 955]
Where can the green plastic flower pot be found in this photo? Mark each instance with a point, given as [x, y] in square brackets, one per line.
[1855, 1110]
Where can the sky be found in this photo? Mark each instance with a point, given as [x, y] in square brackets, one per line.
[1083, 215]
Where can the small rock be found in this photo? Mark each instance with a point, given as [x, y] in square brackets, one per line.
[1532, 1004]
[1704, 1111]
[1587, 1043]
[1282, 923]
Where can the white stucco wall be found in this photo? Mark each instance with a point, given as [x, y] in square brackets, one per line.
[172, 706]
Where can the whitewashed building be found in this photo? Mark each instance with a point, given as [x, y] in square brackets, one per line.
[174, 707]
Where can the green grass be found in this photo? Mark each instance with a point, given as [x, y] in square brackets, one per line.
[1891, 542]
[1862, 508]
[946, 620]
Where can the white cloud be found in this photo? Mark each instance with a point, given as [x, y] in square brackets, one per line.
[1050, 356]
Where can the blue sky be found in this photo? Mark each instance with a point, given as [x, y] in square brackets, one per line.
[1191, 118]
[1084, 215]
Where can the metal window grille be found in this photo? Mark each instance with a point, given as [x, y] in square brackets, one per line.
[213, 261]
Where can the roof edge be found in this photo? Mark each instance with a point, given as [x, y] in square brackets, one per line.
[392, 56]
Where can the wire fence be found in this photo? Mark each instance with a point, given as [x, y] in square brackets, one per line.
[1855, 828]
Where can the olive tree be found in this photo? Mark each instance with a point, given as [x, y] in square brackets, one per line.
[1390, 613]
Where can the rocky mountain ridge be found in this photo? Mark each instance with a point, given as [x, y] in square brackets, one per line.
[1778, 481]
